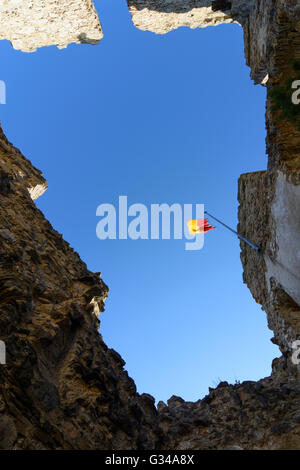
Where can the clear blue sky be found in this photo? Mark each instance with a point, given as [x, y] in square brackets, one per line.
[171, 118]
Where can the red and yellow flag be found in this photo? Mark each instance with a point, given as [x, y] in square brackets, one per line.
[199, 226]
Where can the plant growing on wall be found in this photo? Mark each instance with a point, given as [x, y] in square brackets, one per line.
[282, 98]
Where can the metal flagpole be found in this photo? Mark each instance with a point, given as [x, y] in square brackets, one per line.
[255, 247]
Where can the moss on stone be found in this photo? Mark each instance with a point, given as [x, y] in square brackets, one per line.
[282, 98]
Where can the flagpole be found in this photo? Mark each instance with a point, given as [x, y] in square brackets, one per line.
[255, 247]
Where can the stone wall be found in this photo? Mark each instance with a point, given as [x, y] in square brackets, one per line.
[29, 24]
[269, 216]
[62, 387]
[270, 201]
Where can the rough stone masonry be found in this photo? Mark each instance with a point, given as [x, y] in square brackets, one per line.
[62, 387]
[29, 24]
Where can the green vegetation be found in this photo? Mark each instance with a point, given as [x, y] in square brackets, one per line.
[282, 98]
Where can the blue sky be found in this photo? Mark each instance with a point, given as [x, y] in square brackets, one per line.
[170, 118]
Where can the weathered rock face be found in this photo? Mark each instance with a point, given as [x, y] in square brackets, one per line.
[262, 415]
[269, 215]
[161, 16]
[29, 24]
[270, 201]
[62, 388]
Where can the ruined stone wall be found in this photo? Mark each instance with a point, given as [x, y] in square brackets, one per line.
[29, 24]
[62, 387]
[270, 201]
[162, 16]
[269, 216]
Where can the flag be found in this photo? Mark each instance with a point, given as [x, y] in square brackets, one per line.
[199, 226]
